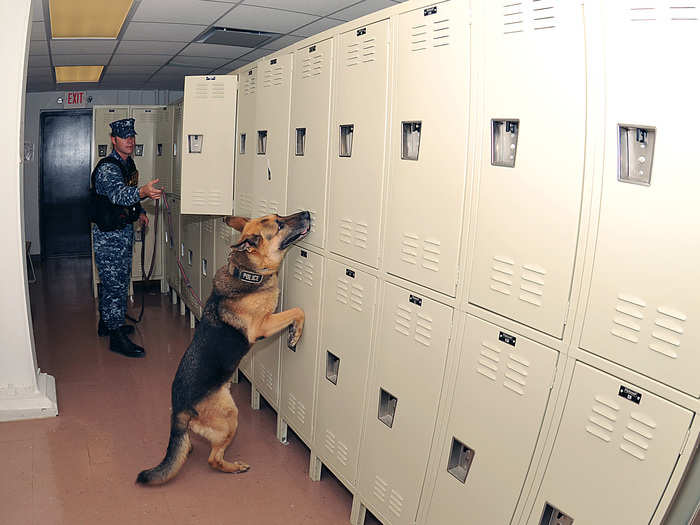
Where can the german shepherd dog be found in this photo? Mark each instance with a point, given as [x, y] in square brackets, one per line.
[238, 313]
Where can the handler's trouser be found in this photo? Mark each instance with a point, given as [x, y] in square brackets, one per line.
[113, 253]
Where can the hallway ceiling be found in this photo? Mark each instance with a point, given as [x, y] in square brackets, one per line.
[158, 42]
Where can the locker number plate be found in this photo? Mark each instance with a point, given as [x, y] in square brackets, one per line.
[506, 338]
[415, 300]
[630, 394]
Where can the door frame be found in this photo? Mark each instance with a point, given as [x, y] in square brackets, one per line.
[42, 116]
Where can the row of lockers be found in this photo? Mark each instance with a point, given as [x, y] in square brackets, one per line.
[491, 173]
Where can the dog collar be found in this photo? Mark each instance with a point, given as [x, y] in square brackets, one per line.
[246, 276]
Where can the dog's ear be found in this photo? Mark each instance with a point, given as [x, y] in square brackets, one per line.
[237, 223]
[247, 243]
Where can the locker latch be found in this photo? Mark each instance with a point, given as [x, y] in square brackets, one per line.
[346, 132]
[635, 154]
[553, 516]
[262, 141]
[332, 367]
[195, 143]
[460, 460]
[410, 140]
[387, 407]
[301, 141]
[504, 142]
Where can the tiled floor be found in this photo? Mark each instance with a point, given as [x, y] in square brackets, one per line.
[79, 468]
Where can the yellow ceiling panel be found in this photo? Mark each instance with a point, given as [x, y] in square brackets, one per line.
[78, 74]
[87, 18]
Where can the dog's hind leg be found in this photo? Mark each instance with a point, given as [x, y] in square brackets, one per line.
[217, 421]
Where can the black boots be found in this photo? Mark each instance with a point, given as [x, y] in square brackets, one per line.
[102, 329]
[120, 343]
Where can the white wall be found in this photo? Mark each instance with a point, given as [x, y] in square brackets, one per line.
[46, 101]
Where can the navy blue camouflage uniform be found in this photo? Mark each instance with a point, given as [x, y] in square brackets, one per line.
[113, 249]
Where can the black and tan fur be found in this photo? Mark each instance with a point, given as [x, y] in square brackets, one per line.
[238, 313]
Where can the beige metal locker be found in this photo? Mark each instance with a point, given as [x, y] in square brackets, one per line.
[208, 263]
[171, 229]
[265, 363]
[271, 141]
[358, 138]
[164, 147]
[429, 124]
[224, 235]
[349, 304]
[503, 388]
[177, 154]
[643, 306]
[246, 142]
[191, 257]
[615, 450]
[402, 402]
[302, 288]
[101, 118]
[308, 148]
[208, 141]
[531, 159]
[146, 124]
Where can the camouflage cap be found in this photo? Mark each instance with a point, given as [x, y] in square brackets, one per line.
[123, 128]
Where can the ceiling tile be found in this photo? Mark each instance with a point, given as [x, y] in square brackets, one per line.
[317, 27]
[197, 49]
[131, 70]
[138, 47]
[77, 47]
[39, 61]
[139, 60]
[179, 11]
[80, 60]
[362, 9]
[37, 10]
[179, 71]
[282, 42]
[202, 62]
[38, 47]
[312, 7]
[38, 31]
[38, 73]
[162, 31]
[264, 19]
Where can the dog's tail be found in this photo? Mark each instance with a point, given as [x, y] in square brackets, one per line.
[178, 449]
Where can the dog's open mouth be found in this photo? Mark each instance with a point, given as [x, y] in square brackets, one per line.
[295, 237]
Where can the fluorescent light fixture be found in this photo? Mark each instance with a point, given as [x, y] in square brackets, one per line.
[78, 74]
[228, 36]
[87, 18]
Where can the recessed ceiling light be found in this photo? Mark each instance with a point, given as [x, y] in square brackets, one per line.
[87, 18]
[78, 74]
[228, 36]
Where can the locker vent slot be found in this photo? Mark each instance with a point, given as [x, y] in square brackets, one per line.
[403, 320]
[330, 442]
[301, 142]
[395, 503]
[246, 204]
[380, 489]
[241, 149]
[532, 284]
[517, 369]
[424, 329]
[601, 423]
[460, 460]
[267, 208]
[341, 291]
[262, 141]
[553, 516]
[502, 274]
[527, 15]
[267, 377]
[489, 359]
[342, 453]
[249, 85]
[332, 367]
[296, 408]
[358, 53]
[628, 317]
[357, 296]
[636, 441]
[419, 37]
[304, 271]
[273, 76]
[346, 133]
[441, 32]
[387, 407]
[434, 34]
[684, 13]
[356, 234]
[312, 66]
[208, 226]
[666, 336]
[209, 90]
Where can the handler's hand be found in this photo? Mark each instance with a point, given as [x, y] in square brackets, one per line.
[143, 220]
[149, 190]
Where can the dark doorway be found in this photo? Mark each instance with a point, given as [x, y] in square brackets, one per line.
[65, 183]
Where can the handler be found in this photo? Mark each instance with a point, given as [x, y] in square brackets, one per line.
[116, 205]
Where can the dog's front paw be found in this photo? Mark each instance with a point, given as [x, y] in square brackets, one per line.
[294, 336]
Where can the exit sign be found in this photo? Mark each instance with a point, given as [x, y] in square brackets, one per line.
[74, 99]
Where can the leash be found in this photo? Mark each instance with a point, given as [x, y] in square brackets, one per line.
[147, 275]
[188, 284]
